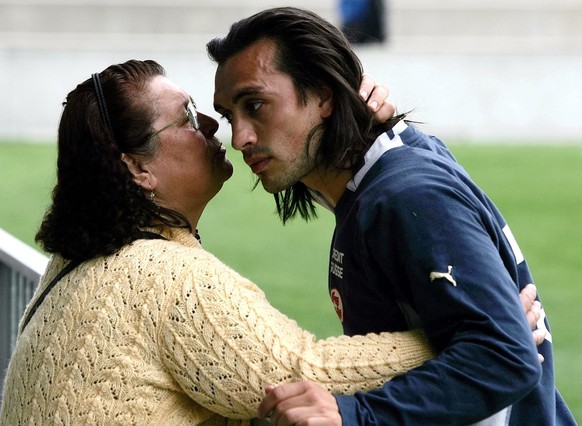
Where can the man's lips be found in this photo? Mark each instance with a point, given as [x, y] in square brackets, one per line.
[257, 164]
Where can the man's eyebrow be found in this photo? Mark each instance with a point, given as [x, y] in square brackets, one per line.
[247, 91]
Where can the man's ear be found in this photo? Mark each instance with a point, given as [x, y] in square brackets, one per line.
[325, 102]
[141, 175]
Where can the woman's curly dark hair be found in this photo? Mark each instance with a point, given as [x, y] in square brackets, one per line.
[96, 206]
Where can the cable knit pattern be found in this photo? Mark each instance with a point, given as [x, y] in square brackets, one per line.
[162, 332]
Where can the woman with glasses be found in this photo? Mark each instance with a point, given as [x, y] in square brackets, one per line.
[133, 321]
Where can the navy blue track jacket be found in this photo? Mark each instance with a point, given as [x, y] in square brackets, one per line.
[418, 244]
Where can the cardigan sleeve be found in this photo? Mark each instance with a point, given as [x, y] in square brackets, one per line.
[223, 343]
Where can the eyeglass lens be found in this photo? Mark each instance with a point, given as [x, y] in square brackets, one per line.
[193, 114]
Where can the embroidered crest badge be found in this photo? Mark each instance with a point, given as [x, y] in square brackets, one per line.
[338, 305]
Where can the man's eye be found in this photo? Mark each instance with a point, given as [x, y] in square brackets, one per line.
[227, 117]
[253, 106]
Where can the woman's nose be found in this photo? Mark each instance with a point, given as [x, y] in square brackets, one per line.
[208, 125]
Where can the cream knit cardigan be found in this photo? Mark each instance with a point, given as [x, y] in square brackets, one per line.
[163, 333]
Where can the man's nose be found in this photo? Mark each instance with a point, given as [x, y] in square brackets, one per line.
[243, 135]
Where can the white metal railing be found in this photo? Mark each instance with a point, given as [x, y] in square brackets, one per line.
[20, 269]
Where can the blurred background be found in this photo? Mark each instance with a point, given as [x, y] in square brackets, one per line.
[499, 80]
[470, 69]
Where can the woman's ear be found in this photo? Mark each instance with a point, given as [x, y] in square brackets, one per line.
[325, 102]
[142, 176]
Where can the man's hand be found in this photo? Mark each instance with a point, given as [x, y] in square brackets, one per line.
[376, 97]
[301, 403]
[533, 312]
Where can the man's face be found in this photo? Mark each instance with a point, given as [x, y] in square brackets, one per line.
[270, 124]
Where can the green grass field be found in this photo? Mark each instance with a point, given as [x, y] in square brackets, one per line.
[538, 188]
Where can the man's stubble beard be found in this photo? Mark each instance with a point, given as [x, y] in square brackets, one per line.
[298, 169]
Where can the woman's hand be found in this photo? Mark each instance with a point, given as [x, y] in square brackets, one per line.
[376, 97]
[533, 312]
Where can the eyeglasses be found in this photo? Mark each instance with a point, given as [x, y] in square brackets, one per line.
[191, 116]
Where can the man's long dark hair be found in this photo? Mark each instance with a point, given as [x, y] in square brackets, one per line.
[316, 55]
[96, 207]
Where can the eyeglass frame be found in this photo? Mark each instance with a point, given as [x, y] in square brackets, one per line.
[191, 115]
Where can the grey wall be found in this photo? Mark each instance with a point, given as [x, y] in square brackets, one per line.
[471, 69]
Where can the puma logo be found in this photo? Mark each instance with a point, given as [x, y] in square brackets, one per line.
[446, 275]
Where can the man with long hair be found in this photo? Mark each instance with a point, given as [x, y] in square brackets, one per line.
[416, 245]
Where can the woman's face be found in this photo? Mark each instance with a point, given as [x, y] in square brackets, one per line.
[190, 165]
